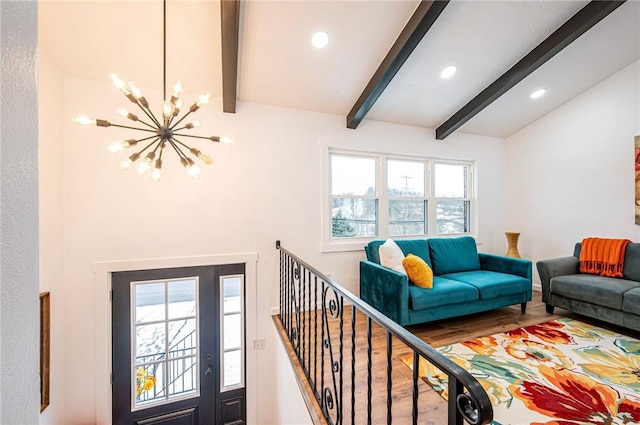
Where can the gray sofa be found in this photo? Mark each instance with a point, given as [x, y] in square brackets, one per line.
[613, 300]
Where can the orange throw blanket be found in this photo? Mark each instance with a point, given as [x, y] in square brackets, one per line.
[603, 256]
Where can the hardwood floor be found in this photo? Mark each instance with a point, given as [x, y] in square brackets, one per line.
[432, 408]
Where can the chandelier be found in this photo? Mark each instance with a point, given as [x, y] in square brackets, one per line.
[162, 132]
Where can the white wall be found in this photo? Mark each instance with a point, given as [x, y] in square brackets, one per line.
[571, 174]
[19, 325]
[50, 165]
[265, 187]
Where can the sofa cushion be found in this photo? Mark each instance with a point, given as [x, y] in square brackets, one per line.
[391, 256]
[631, 301]
[451, 255]
[444, 292]
[492, 284]
[419, 272]
[598, 290]
[417, 247]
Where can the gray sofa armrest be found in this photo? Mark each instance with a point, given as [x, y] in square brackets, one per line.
[385, 290]
[502, 264]
[548, 269]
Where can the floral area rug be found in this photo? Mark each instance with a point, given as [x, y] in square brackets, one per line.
[562, 372]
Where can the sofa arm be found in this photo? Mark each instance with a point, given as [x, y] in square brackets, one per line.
[502, 264]
[385, 290]
[548, 269]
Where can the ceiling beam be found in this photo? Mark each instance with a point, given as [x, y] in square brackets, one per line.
[230, 23]
[577, 25]
[420, 22]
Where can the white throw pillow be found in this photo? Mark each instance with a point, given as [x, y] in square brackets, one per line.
[391, 256]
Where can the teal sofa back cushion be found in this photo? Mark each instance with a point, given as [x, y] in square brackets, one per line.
[451, 255]
[417, 247]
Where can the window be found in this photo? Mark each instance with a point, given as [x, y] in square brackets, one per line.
[374, 196]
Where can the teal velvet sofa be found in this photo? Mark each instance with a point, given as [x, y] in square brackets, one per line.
[464, 281]
[610, 299]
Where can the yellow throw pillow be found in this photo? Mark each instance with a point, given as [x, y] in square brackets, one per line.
[418, 270]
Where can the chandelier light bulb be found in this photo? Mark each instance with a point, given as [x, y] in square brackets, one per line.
[194, 124]
[83, 120]
[126, 164]
[117, 81]
[206, 158]
[227, 140]
[193, 170]
[135, 90]
[155, 174]
[167, 109]
[122, 112]
[144, 165]
[115, 147]
[203, 99]
[177, 88]
[178, 102]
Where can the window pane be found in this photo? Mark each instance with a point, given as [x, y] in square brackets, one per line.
[232, 368]
[150, 343]
[182, 298]
[353, 217]
[232, 331]
[231, 294]
[149, 303]
[452, 216]
[405, 178]
[353, 175]
[149, 383]
[407, 217]
[451, 180]
[182, 338]
[182, 376]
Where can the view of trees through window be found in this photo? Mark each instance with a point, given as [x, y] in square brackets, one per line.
[356, 203]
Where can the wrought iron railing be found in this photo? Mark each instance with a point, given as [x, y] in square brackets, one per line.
[350, 367]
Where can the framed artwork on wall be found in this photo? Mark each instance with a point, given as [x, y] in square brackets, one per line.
[45, 347]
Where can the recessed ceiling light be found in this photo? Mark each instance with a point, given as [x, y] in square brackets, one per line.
[320, 39]
[449, 71]
[536, 94]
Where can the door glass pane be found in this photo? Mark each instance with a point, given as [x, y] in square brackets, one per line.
[233, 368]
[232, 342]
[182, 298]
[232, 331]
[405, 178]
[149, 302]
[150, 341]
[182, 338]
[231, 294]
[149, 384]
[165, 340]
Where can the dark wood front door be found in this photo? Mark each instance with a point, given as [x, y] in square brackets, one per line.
[178, 346]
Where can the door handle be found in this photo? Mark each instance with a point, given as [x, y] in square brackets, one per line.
[209, 370]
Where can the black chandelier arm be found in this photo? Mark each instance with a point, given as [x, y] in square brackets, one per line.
[133, 128]
[146, 123]
[180, 120]
[149, 145]
[180, 143]
[149, 113]
[212, 138]
[177, 149]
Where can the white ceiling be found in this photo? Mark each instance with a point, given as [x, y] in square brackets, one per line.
[278, 66]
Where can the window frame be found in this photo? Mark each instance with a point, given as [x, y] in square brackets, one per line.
[331, 244]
